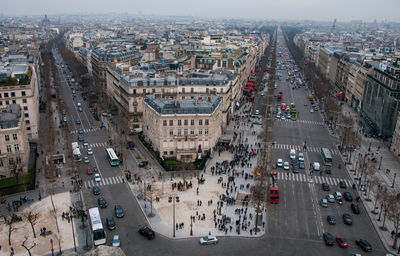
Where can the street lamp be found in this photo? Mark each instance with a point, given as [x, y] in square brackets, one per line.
[72, 227]
[173, 199]
[191, 225]
[52, 249]
[394, 179]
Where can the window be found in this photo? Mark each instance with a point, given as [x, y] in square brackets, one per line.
[1, 163]
[11, 161]
[171, 122]
[206, 121]
[8, 148]
[185, 132]
[201, 122]
[26, 114]
[200, 131]
[179, 122]
[18, 159]
[165, 133]
[164, 122]
[23, 93]
[6, 95]
[16, 147]
[162, 90]
[183, 90]
[7, 102]
[134, 91]
[171, 132]
[24, 101]
[14, 102]
[25, 107]
[154, 90]
[179, 132]
[12, 94]
[7, 137]
[222, 90]
[191, 131]
[206, 131]
[144, 91]
[185, 122]
[192, 122]
[192, 90]
[171, 152]
[165, 153]
[15, 137]
[27, 122]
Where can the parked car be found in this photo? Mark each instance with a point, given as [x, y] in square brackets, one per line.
[147, 232]
[364, 245]
[355, 208]
[328, 238]
[116, 242]
[295, 169]
[119, 213]
[102, 202]
[208, 240]
[110, 223]
[347, 219]
[301, 157]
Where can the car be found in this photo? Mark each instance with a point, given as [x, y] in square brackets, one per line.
[80, 109]
[119, 213]
[96, 191]
[116, 242]
[86, 160]
[257, 112]
[347, 219]
[89, 151]
[86, 144]
[279, 163]
[295, 169]
[355, 208]
[301, 157]
[294, 118]
[286, 165]
[324, 202]
[283, 117]
[208, 240]
[325, 187]
[328, 171]
[262, 94]
[89, 171]
[95, 169]
[301, 165]
[257, 122]
[110, 223]
[342, 184]
[316, 166]
[311, 110]
[342, 242]
[78, 121]
[147, 232]
[278, 116]
[80, 131]
[328, 238]
[330, 198]
[289, 116]
[347, 196]
[143, 163]
[102, 202]
[97, 177]
[337, 195]
[331, 220]
[364, 245]
[80, 138]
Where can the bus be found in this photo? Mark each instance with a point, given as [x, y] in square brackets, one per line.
[273, 191]
[112, 157]
[99, 235]
[326, 156]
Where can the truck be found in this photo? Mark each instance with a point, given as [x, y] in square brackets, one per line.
[293, 111]
[77, 156]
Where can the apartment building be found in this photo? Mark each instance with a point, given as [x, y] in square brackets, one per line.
[14, 146]
[182, 128]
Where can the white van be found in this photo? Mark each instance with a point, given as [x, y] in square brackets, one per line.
[316, 166]
[292, 154]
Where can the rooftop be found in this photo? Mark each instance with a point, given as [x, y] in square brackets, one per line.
[9, 116]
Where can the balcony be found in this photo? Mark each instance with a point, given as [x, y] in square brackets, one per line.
[186, 150]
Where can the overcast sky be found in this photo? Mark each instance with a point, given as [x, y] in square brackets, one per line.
[343, 10]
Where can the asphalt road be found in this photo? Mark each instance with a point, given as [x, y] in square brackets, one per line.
[294, 226]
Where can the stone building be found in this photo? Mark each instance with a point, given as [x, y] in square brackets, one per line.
[14, 146]
[182, 128]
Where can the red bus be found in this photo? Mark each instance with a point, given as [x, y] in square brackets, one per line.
[283, 106]
[274, 194]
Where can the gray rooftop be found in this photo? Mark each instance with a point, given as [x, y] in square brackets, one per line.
[9, 116]
[200, 105]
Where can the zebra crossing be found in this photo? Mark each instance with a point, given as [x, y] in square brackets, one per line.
[300, 148]
[103, 182]
[95, 145]
[311, 179]
[85, 130]
[303, 121]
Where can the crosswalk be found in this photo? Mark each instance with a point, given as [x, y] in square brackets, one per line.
[300, 148]
[103, 182]
[303, 121]
[95, 145]
[311, 179]
[85, 130]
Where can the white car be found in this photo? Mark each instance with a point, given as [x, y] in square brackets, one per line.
[86, 144]
[257, 112]
[301, 157]
[208, 240]
[338, 195]
[97, 177]
[89, 151]
[330, 198]
[116, 242]
[286, 166]
[86, 160]
[324, 202]
[311, 110]
[279, 163]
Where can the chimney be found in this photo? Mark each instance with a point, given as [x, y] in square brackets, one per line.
[196, 101]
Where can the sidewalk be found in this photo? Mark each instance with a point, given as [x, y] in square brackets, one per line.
[385, 161]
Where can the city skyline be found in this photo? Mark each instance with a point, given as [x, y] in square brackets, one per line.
[283, 10]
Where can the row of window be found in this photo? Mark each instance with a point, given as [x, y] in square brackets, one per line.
[7, 102]
[7, 137]
[153, 90]
[9, 148]
[185, 132]
[11, 94]
[185, 122]
[11, 161]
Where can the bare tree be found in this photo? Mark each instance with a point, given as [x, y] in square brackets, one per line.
[16, 170]
[28, 249]
[394, 215]
[378, 193]
[32, 217]
[386, 202]
[11, 228]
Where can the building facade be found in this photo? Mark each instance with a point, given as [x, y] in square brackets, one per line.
[14, 146]
[182, 128]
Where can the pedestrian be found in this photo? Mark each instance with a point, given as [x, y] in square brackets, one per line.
[393, 233]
